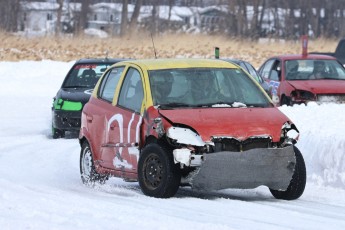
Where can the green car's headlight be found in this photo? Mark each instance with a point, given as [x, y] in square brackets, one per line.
[61, 104]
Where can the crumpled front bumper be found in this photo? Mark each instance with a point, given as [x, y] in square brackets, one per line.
[249, 169]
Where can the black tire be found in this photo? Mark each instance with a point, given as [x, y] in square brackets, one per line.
[285, 101]
[297, 183]
[57, 133]
[158, 175]
[88, 173]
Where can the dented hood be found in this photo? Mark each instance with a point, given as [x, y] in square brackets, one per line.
[239, 123]
[320, 86]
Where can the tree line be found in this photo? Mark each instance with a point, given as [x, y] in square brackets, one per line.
[243, 18]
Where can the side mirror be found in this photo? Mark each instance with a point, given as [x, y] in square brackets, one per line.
[275, 100]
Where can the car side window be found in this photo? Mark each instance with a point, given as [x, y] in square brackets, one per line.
[275, 72]
[253, 72]
[266, 69]
[274, 75]
[132, 93]
[109, 83]
[243, 66]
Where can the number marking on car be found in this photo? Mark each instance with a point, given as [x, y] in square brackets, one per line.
[132, 148]
[273, 85]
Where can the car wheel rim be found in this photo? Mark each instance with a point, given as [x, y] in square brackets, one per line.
[153, 171]
[86, 163]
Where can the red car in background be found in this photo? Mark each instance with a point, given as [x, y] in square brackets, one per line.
[303, 78]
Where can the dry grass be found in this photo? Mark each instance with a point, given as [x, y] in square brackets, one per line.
[15, 48]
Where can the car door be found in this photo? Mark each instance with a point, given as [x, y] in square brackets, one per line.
[271, 72]
[96, 111]
[122, 129]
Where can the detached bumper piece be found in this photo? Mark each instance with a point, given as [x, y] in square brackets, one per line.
[249, 169]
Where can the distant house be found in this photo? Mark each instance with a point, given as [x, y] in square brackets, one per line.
[40, 18]
[176, 19]
[186, 13]
[37, 17]
[107, 17]
[212, 18]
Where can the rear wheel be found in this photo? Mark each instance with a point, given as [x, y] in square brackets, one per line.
[297, 183]
[89, 175]
[158, 175]
[57, 133]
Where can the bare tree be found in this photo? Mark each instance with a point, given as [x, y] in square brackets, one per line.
[329, 20]
[124, 17]
[171, 2]
[58, 21]
[290, 19]
[341, 23]
[155, 19]
[232, 19]
[314, 18]
[8, 15]
[81, 21]
[134, 19]
[254, 21]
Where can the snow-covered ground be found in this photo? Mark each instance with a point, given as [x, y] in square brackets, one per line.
[40, 186]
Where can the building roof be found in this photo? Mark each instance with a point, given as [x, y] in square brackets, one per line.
[39, 6]
[49, 6]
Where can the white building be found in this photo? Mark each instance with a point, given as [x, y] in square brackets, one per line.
[106, 17]
[40, 18]
[37, 18]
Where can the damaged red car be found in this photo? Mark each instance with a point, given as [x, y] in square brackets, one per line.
[188, 122]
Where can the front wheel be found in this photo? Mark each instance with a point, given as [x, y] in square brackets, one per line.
[158, 175]
[89, 175]
[57, 133]
[297, 183]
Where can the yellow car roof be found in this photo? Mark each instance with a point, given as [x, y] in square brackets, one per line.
[171, 63]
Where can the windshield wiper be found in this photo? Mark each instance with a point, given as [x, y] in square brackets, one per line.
[78, 86]
[332, 78]
[258, 105]
[72, 86]
[215, 104]
[173, 105]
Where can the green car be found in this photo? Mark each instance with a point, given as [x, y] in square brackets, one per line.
[75, 91]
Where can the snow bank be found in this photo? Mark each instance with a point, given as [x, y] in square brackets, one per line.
[322, 141]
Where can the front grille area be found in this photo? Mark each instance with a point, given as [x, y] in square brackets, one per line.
[335, 98]
[72, 122]
[234, 145]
